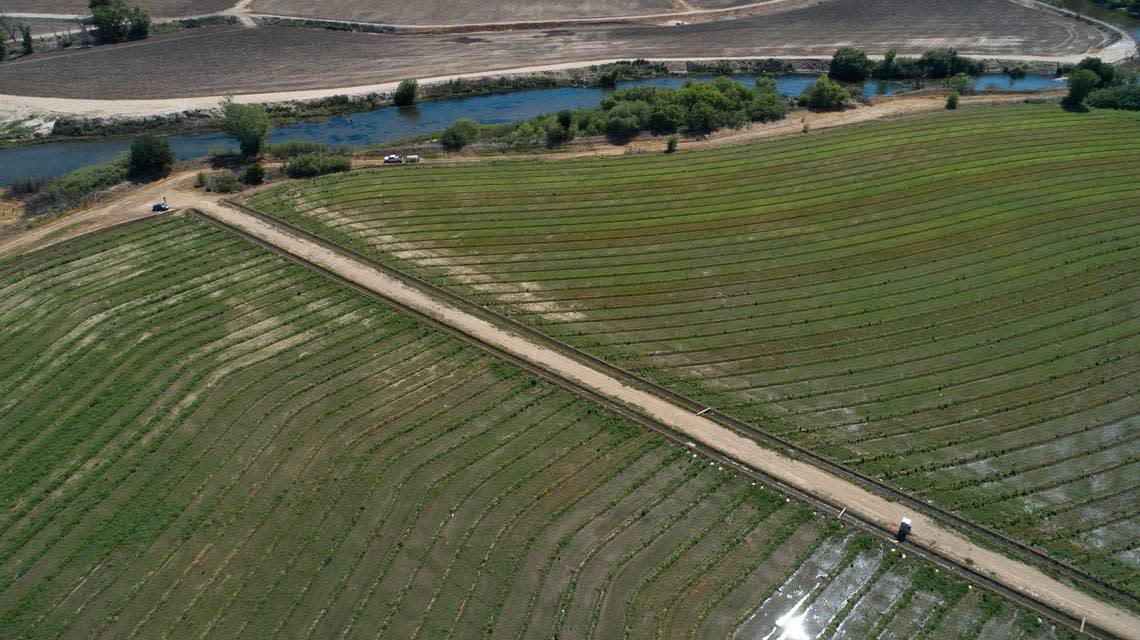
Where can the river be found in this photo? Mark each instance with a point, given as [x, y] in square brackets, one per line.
[388, 124]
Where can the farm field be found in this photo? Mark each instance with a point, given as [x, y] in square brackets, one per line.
[201, 440]
[945, 302]
[157, 8]
[323, 59]
[438, 12]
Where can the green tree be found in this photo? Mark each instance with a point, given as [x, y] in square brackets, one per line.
[1105, 72]
[825, 94]
[139, 20]
[952, 100]
[1125, 96]
[461, 133]
[150, 157]
[248, 124]
[27, 31]
[1081, 84]
[850, 65]
[671, 144]
[3, 47]
[406, 92]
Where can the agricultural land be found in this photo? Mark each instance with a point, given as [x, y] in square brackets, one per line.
[202, 440]
[328, 59]
[946, 303]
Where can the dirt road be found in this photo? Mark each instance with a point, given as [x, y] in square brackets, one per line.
[831, 488]
[135, 204]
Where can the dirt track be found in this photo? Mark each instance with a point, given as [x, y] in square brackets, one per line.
[868, 506]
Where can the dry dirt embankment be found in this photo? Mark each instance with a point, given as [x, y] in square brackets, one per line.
[831, 488]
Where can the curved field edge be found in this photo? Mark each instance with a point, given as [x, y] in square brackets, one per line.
[960, 287]
[198, 439]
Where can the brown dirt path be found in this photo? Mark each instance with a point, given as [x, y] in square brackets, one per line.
[868, 506]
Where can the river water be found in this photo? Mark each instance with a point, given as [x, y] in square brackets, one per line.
[388, 124]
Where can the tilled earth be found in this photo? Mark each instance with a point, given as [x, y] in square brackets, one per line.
[461, 11]
[221, 61]
[159, 8]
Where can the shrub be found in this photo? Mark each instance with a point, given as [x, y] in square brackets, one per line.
[850, 65]
[406, 93]
[621, 128]
[1125, 96]
[960, 83]
[952, 100]
[225, 183]
[25, 186]
[76, 187]
[150, 157]
[556, 134]
[311, 165]
[826, 95]
[248, 124]
[767, 107]
[461, 133]
[3, 47]
[671, 144]
[1017, 72]
[27, 33]
[253, 175]
[1081, 83]
[116, 22]
[201, 180]
[294, 148]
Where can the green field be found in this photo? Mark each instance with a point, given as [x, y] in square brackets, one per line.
[948, 302]
[199, 440]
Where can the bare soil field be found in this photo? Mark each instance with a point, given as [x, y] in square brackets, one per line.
[157, 8]
[462, 11]
[235, 61]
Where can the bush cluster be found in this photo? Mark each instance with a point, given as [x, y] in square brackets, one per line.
[934, 64]
[695, 107]
[294, 148]
[1092, 76]
[150, 157]
[72, 189]
[116, 22]
[825, 94]
[312, 165]
[1125, 96]
[1131, 7]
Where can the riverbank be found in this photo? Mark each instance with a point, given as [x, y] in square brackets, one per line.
[97, 119]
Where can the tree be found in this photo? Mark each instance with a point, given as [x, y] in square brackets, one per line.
[850, 65]
[952, 100]
[565, 118]
[671, 144]
[254, 175]
[150, 157]
[139, 20]
[621, 127]
[3, 48]
[405, 95]
[248, 124]
[1081, 84]
[27, 31]
[1105, 72]
[461, 133]
[825, 94]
